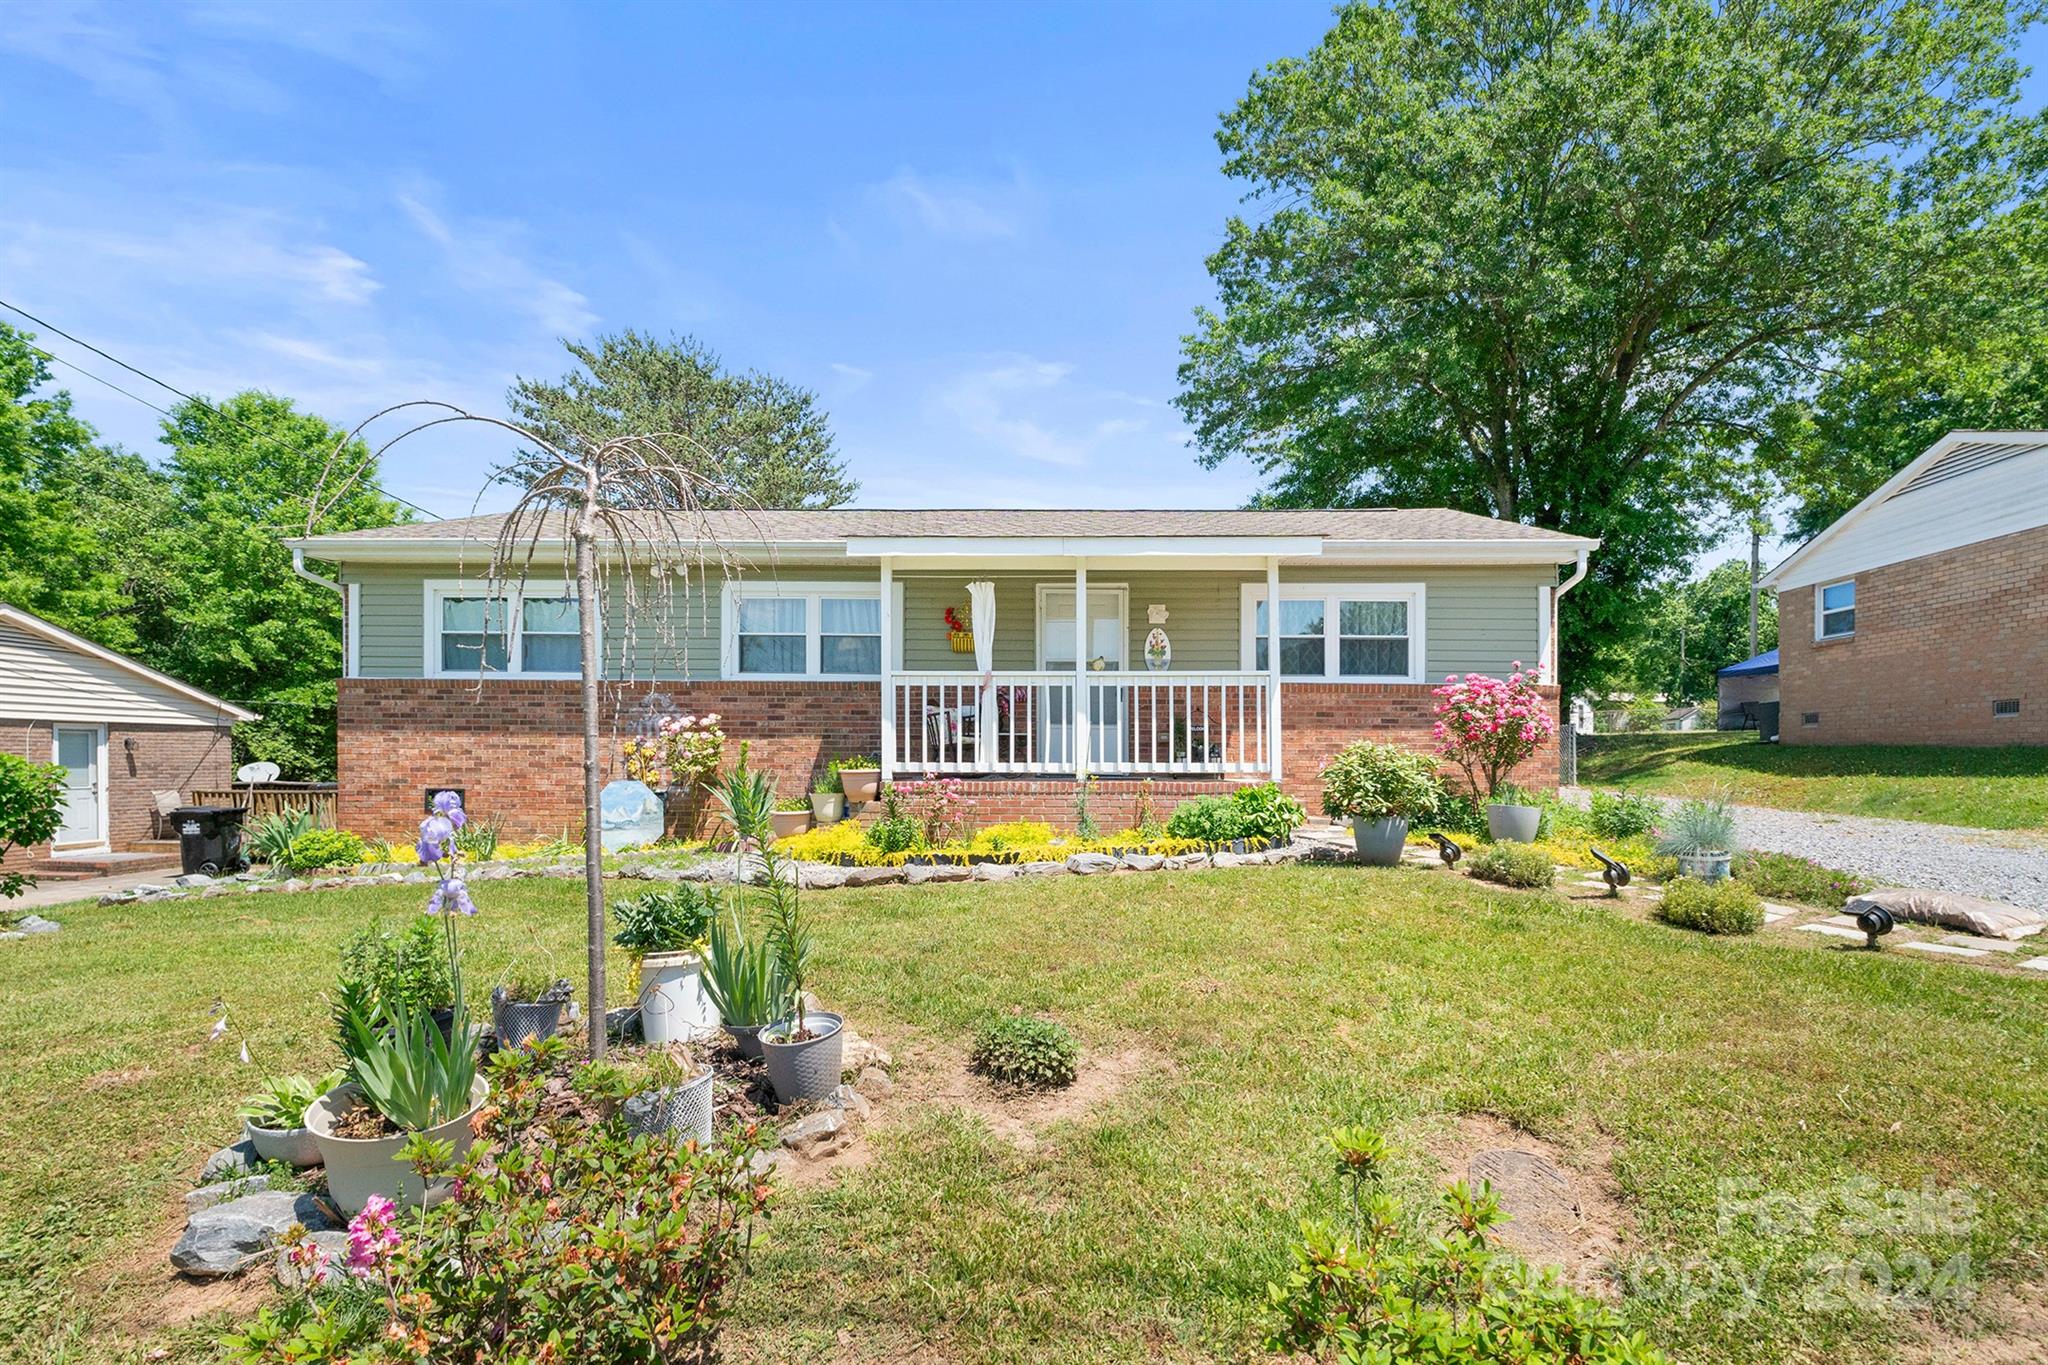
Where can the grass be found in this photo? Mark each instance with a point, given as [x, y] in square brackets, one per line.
[1271, 1004]
[2005, 788]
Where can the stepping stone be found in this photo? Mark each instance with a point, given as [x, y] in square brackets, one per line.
[222, 1239]
[1948, 949]
[1988, 945]
[1833, 931]
[2035, 964]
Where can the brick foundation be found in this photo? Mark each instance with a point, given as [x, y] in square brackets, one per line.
[1937, 640]
[515, 747]
[141, 761]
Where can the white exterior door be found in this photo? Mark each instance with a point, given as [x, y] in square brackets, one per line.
[77, 752]
[1107, 634]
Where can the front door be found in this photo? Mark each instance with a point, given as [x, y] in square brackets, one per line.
[1106, 637]
[77, 752]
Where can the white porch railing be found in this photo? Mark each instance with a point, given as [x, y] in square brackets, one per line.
[1137, 722]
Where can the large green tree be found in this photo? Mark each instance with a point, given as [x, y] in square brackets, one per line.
[752, 440]
[1694, 627]
[1557, 262]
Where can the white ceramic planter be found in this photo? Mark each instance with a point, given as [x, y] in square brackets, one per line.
[360, 1167]
[1517, 824]
[1379, 842]
[788, 822]
[828, 808]
[1706, 867]
[293, 1146]
[860, 784]
[673, 1005]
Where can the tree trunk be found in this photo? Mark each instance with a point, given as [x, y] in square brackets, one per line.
[593, 816]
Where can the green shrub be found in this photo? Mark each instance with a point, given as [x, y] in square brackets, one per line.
[673, 919]
[1368, 781]
[324, 848]
[1623, 815]
[409, 968]
[897, 830]
[1459, 813]
[1724, 907]
[1513, 865]
[1781, 876]
[1267, 812]
[1019, 1050]
[1211, 819]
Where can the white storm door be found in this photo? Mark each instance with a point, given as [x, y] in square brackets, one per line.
[1107, 633]
[77, 752]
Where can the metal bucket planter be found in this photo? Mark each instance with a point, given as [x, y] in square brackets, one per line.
[1515, 824]
[519, 1022]
[1706, 867]
[684, 1110]
[360, 1167]
[1379, 841]
[860, 784]
[293, 1146]
[828, 808]
[808, 1070]
[673, 1005]
[746, 1037]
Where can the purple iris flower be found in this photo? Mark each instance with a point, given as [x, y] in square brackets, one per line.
[449, 806]
[452, 895]
[435, 832]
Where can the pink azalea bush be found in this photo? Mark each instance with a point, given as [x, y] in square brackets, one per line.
[1489, 725]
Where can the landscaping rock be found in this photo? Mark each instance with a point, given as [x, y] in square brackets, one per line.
[1041, 869]
[223, 1239]
[917, 875]
[816, 1135]
[761, 1163]
[875, 1083]
[695, 872]
[1181, 862]
[230, 1161]
[192, 879]
[1143, 862]
[36, 924]
[873, 876]
[335, 1244]
[221, 1191]
[821, 876]
[1230, 859]
[1087, 864]
[851, 1101]
[857, 1054]
[994, 872]
[11, 933]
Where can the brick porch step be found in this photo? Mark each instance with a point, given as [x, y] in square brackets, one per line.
[103, 865]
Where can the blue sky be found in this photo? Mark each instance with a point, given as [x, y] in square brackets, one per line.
[976, 230]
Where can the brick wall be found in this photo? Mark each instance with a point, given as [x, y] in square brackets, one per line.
[1937, 640]
[1318, 719]
[141, 760]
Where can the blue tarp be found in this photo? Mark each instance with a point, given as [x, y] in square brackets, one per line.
[1766, 662]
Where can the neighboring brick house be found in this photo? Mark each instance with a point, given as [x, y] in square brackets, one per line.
[122, 732]
[827, 636]
[1921, 617]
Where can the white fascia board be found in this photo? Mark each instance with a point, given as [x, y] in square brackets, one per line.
[36, 625]
[343, 550]
[1562, 550]
[1082, 547]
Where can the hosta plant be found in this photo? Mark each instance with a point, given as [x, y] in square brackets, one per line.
[283, 1100]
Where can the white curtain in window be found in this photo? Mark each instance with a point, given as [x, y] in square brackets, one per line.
[981, 614]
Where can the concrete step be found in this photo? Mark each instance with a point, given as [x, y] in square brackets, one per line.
[103, 865]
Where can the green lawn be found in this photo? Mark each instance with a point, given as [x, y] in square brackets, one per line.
[2003, 788]
[1271, 1004]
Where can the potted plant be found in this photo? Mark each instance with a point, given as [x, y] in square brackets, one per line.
[828, 802]
[407, 1077]
[528, 1009]
[274, 1118]
[409, 966]
[792, 815]
[669, 1092]
[1487, 726]
[859, 778]
[744, 982]
[1379, 788]
[1700, 833]
[664, 930]
[676, 759]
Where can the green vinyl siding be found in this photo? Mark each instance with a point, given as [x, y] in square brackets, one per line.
[1478, 619]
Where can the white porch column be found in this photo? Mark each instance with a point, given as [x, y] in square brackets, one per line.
[1273, 660]
[889, 628]
[1079, 727]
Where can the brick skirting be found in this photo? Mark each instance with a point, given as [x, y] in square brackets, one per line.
[515, 746]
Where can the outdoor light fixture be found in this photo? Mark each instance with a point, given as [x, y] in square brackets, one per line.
[1447, 849]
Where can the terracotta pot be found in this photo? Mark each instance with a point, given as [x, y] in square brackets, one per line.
[860, 784]
[788, 822]
[360, 1167]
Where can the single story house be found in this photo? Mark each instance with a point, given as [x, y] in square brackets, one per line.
[1744, 690]
[1021, 650]
[122, 732]
[1921, 616]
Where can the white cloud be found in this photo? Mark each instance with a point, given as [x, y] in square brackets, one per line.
[965, 210]
[1025, 408]
[486, 258]
[852, 378]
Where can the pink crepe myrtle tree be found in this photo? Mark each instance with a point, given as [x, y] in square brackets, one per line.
[1487, 726]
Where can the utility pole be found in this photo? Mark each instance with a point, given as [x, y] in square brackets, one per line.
[1756, 537]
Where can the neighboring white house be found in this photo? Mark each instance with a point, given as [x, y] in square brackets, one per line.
[121, 730]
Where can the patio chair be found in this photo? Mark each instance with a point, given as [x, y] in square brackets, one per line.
[166, 802]
[951, 729]
[1752, 715]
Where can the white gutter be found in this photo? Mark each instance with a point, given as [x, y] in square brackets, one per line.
[1557, 595]
[348, 609]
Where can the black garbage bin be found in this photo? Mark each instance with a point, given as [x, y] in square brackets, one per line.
[210, 838]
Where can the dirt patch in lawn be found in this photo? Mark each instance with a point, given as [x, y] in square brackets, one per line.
[2014, 1323]
[1563, 1211]
[1020, 1117]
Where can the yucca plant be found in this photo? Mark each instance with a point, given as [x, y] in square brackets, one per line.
[409, 1070]
[742, 975]
[272, 837]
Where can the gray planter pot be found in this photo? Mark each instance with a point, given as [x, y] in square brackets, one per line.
[1379, 841]
[522, 1021]
[684, 1110]
[293, 1146]
[808, 1070]
[746, 1037]
[1516, 824]
[828, 808]
[1706, 867]
[360, 1167]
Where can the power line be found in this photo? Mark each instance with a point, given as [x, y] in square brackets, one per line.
[162, 384]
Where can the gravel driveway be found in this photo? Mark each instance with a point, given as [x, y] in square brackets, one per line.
[2004, 865]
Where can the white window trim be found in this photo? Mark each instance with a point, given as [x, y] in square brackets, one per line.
[733, 590]
[1414, 594]
[1122, 593]
[1820, 631]
[511, 594]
